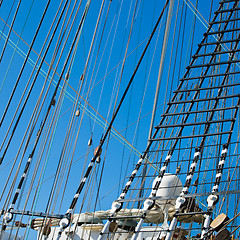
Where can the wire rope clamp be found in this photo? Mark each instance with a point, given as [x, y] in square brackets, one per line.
[116, 206]
[212, 200]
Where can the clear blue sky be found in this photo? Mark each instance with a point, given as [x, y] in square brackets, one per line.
[103, 90]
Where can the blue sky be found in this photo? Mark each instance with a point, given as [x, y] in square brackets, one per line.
[103, 88]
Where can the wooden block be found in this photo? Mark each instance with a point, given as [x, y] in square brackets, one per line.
[219, 221]
[222, 234]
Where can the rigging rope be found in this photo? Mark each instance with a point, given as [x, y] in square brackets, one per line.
[29, 124]
[8, 215]
[10, 30]
[149, 203]
[25, 61]
[27, 84]
[63, 91]
[161, 65]
[89, 113]
[108, 62]
[98, 50]
[65, 221]
[9, 14]
[195, 11]
[33, 83]
[83, 75]
[56, 114]
[116, 206]
[16, 45]
[31, 131]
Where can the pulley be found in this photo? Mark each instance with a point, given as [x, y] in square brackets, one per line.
[97, 151]
[195, 184]
[116, 206]
[222, 234]
[67, 76]
[113, 227]
[212, 200]
[98, 159]
[90, 141]
[178, 170]
[219, 221]
[53, 102]
[77, 113]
